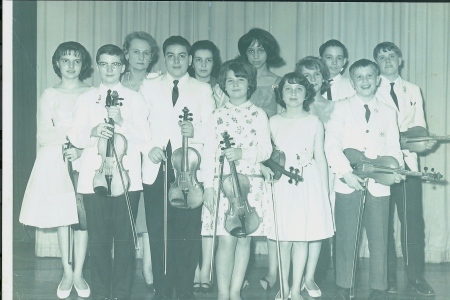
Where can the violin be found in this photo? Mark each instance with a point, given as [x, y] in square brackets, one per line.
[382, 168]
[186, 192]
[240, 219]
[111, 179]
[276, 163]
[414, 139]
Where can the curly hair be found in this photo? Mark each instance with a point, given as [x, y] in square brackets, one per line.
[295, 78]
[142, 35]
[78, 50]
[266, 40]
[241, 69]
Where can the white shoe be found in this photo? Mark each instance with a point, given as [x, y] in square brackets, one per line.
[83, 293]
[63, 294]
[312, 293]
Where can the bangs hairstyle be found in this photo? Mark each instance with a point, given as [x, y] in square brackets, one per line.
[386, 46]
[206, 45]
[176, 40]
[362, 63]
[240, 69]
[112, 50]
[266, 40]
[315, 63]
[295, 78]
[78, 50]
[333, 43]
[142, 35]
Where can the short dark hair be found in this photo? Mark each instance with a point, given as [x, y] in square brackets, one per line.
[142, 35]
[241, 69]
[206, 45]
[315, 63]
[78, 50]
[266, 40]
[176, 40]
[386, 46]
[293, 78]
[112, 50]
[362, 63]
[333, 43]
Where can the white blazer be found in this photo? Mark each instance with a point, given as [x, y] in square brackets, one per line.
[410, 112]
[197, 96]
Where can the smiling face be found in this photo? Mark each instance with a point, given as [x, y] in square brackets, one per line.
[365, 81]
[236, 87]
[314, 77]
[202, 63]
[293, 95]
[110, 67]
[139, 54]
[388, 62]
[256, 55]
[70, 65]
[335, 60]
[177, 60]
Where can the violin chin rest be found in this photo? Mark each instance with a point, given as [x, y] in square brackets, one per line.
[238, 232]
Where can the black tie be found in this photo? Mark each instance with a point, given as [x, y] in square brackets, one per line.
[175, 93]
[329, 97]
[367, 112]
[393, 95]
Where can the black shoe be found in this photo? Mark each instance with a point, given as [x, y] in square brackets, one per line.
[378, 295]
[197, 288]
[186, 296]
[206, 288]
[420, 286]
[160, 297]
[392, 286]
[342, 294]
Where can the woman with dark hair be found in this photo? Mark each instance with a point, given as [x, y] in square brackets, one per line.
[141, 53]
[260, 48]
[303, 210]
[49, 200]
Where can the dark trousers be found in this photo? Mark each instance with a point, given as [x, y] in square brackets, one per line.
[410, 213]
[109, 224]
[183, 238]
[375, 221]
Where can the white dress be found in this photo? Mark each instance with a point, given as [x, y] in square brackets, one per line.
[303, 210]
[49, 199]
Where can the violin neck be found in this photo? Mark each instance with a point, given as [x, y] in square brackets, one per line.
[274, 166]
[234, 174]
[184, 162]
[377, 169]
[427, 138]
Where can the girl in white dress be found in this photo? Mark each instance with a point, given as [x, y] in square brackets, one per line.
[247, 124]
[303, 209]
[49, 199]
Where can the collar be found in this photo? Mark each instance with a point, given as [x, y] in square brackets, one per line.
[336, 79]
[169, 79]
[373, 103]
[244, 105]
[103, 90]
[398, 81]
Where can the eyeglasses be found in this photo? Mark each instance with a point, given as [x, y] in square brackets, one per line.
[105, 65]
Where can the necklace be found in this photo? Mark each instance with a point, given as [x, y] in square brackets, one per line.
[139, 83]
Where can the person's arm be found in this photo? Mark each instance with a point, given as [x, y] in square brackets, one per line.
[48, 132]
[393, 137]
[80, 133]
[262, 150]
[208, 106]
[319, 154]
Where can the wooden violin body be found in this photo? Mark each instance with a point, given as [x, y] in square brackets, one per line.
[240, 219]
[186, 192]
[415, 138]
[276, 163]
[108, 179]
[382, 168]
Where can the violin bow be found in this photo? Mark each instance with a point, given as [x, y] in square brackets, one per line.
[362, 204]
[216, 215]
[69, 228]
[165, 209]
[280, 270]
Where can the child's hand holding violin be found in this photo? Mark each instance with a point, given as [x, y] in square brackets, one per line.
[232, 154]
[267, 173]
[114, 113]
[187, 129]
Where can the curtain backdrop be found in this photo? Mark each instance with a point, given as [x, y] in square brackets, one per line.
[421, 30]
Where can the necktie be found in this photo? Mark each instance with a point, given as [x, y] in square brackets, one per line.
[367, 112]
[175, 93]
[329, 97]
[393, 95]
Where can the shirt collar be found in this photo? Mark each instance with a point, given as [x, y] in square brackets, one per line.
[372, 103]
[336, 79]
[398, 81]
[181, 81]
[244, 105]
[103, 89]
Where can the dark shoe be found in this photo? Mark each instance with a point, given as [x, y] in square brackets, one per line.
[197, 288]
[206, 288]
[186, 296]
[378, 295]
[263, 281]
[342, 294]
[420, 286]
[160, 297]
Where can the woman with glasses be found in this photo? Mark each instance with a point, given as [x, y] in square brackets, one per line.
[49, 200]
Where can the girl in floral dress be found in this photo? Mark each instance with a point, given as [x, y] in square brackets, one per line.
[247, 125]
[303, 209]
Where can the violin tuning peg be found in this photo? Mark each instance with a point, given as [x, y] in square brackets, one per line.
[425, 169]
[190, 119]
[190, 114]
[432, 169]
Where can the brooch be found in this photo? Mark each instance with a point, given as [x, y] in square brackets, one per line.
[404, 89]
[382, 134]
